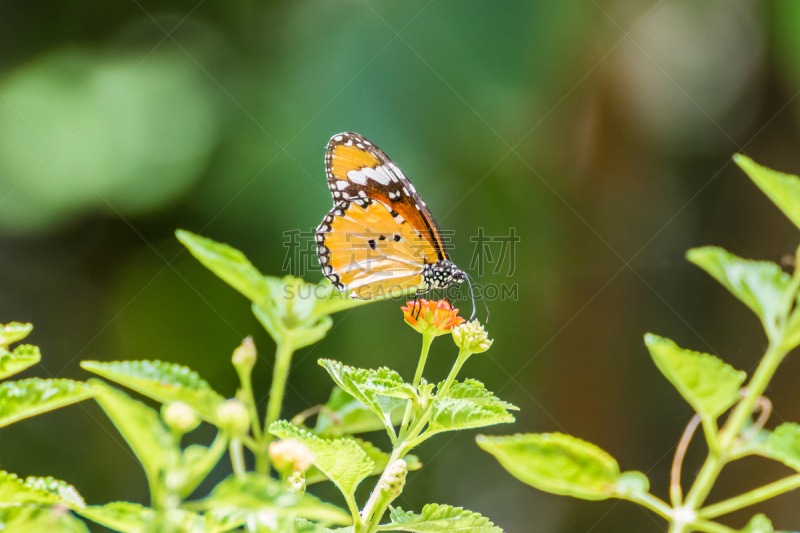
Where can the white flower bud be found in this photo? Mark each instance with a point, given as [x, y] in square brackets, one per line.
[244, 357]
[291, 453]
[180, 416]
[472, 337]
[232, 416]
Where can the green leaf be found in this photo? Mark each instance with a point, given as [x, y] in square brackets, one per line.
[783, 445]
[255, 493]
[13, 332]
[229, 264]
[758, 524]
[196, 462]
[381, 390]
[29, 397]
[782, 189]
[21, 358]
[344, 415]
[343, 461]
[141, 427]
[450, 414]
[15, 491]
[475, 391]
[33, 519]
[375, 454]
[121, 516]
[165, 382]
[439, 518]
[760, 285]
[558, 463]
[707, 383]
[64, 492]
[284, 324]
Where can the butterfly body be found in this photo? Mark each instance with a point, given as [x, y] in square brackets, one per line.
[380, 237]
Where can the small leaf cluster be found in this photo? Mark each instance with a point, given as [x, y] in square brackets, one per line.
[566, 465]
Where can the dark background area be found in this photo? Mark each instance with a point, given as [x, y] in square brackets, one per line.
[601, 131]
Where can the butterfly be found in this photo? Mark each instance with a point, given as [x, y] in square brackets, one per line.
[380, 238]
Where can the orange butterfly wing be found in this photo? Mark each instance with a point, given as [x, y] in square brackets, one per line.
[357, 168]
[380, 235]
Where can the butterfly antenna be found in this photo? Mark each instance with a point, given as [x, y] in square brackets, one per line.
[472, 297]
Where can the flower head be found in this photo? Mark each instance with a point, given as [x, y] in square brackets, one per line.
[431, 317]
[471, 337]
[291, 454]
[232, 416]
[180, 416]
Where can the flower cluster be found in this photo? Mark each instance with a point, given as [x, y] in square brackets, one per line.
[472, 337]
[435, 318]
[291, 454]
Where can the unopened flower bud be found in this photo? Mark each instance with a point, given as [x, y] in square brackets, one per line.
[471, 337]
[232, 416]
[296, 482]
[393, 480]
[244, 357]
[180, 417]
[291, 454]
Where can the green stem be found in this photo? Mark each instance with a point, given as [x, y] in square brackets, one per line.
[237, 457]
[463, 355]
[750, 498]
[427, 340]
[743, 410]
[710, 527]
[656, 505]
[280, 373]
[374, 510]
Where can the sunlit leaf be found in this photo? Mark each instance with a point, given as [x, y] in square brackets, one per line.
[255, 493]
[223, 519]
[475, 391]
[343, 461]
[18, 360]
[63, 491]
[15, 491]
[120, 516]
[782, 189]
[195, 464]
[344, 415]
[783, 444]
[758, 524]
[229, 264]
[707, 383]
[21, 399]
[375, 454]
[141, 428]
[13, 332]
[758, 284]
[449, 414]
[560, 464]
[165, 382]
[382, 390]
[33, 519]
[436, 518]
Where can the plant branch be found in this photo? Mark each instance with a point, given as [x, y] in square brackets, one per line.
[280, 373]
[427, 340]
[750, 498]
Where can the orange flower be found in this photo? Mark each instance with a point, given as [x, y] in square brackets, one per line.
[431, 317]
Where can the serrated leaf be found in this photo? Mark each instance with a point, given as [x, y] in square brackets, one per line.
[558, 463]
[13, 332]
[450, 414]
[33, 519]
[29, 397]
[15, 491]
[141, 427]
[375, 454]
[783, 444]
[708, 384]
[475, 391]
[344, 415]
[436, 518]
[343, 461]
[165, 382]
[21, 358]
[62, 490]
[120, 516]
[758, 524]
[229, 264]
[760, 285]
[255, 493]
[782, 189]
[381, 390]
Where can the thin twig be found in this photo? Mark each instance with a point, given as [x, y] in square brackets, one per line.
[675, 492]
[764, 405]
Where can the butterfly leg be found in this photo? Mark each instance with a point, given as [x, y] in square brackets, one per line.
[417, 305]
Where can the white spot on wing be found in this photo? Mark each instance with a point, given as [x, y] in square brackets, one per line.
[341, 184]
[375, 175]
[357, 176]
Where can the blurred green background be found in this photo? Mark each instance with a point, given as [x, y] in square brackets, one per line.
[601, 131]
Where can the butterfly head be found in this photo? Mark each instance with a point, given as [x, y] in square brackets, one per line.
[442, 274]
